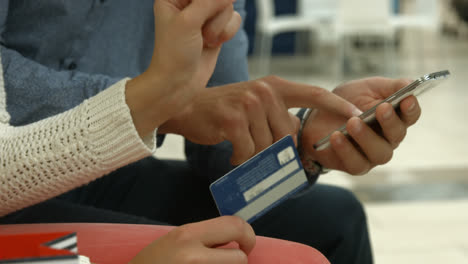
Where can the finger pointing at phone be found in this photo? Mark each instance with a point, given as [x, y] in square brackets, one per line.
[187, 40]
[252, 115]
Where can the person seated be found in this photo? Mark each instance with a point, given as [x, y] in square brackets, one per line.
[64, 125]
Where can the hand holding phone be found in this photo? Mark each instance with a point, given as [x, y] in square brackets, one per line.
[415, 88]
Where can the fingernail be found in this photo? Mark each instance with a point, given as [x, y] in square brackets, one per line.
[338, 139]
[212, 43]
[412, 107]
[357, 126]
[388, 114]
[357, 112]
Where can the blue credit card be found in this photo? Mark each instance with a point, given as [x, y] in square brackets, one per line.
[261, 183]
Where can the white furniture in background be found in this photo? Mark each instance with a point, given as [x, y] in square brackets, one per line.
[420, 14]
[364, 18]
[417, 20]
[268, 25]
[335, 22]
[324, 12]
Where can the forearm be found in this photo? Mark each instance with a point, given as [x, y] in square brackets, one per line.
[44, 159]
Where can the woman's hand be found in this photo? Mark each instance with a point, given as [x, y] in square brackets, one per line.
[367, 148]
[200, 242]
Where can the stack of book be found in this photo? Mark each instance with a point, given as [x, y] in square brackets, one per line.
[50, 248]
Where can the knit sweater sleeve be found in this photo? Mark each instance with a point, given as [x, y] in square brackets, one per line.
[52, 156]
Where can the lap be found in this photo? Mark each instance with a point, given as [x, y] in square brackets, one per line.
[153, 191]
[169, 192]
[162, 190]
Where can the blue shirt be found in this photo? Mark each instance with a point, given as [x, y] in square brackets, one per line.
[57, 53]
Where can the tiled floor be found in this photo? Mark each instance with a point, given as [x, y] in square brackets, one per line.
[417, 204]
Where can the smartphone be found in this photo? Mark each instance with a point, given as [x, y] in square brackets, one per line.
[415, 88]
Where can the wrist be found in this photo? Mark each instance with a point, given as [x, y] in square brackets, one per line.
[312, 167]
[150, 101]
[304, 115]
[174, 124]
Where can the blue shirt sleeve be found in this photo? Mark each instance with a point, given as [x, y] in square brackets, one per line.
[34, 91]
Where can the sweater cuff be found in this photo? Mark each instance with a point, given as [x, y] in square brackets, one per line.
[112, 131]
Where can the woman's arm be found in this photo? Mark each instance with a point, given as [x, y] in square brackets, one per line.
[52, 156]
[46, 158]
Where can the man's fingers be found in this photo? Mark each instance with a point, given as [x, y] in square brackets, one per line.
[242, 143]
[376, 148]
[388, 86]
[260, 129]
[165, 10]
[397, 84]
[307, 96]
[280, 121]
[200, 11]
[353, 161]
[296, 125]
[231, 28]
[410, 110]
[393, 128]
[214, 27]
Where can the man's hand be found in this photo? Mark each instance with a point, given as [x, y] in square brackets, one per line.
[188, 38]
[199, 242]
[367, 148]
[251, 115]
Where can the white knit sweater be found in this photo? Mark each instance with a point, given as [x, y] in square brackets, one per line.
[47, 158]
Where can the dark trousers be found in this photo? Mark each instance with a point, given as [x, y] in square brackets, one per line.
[152, 191]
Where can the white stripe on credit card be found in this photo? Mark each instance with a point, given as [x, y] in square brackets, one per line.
[270, 181]
[272, 196]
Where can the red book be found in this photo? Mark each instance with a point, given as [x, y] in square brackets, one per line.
[40, 248]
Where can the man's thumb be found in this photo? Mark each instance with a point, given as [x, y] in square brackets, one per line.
[167, 9]
[202, 10]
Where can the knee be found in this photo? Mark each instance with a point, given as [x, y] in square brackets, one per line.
[339, 207]
[352, 207]
[351, 212]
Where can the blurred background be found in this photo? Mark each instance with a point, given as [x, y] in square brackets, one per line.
[417, 204]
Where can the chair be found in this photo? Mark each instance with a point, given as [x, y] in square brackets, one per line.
[119, 243]
[324, 12]
[268, 25]
[321, 10]
[363, 18]
[421, 14]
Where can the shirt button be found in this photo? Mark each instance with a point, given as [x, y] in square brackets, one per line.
[72, 66]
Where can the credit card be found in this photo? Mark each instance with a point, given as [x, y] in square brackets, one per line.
[261, 183]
